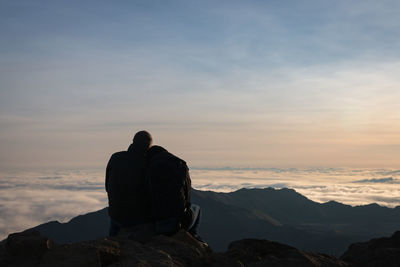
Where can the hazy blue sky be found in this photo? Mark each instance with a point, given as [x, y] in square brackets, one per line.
[240, 83]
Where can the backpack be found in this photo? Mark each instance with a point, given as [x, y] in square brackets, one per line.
[169, 190]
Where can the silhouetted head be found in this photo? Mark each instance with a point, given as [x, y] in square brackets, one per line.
[142, 141]
[154, 150]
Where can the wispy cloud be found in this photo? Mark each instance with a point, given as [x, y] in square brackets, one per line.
[267, 77]
[389, 180]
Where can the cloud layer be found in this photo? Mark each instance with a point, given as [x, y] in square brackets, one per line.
[388, 180]
[33, 197]
[318, 184]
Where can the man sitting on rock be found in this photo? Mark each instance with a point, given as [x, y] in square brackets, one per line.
[129, 204]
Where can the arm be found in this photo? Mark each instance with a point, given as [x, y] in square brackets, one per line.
[107, 174]
[187, 185]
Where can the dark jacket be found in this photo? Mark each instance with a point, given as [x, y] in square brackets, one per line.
[126, 188]
[169, 189]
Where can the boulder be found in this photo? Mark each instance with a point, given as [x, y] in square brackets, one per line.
[375, 253]
[32, 249]
[24, 249]
[256, 252]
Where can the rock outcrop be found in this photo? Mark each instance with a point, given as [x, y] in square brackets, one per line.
[255, 252]
[30, 248]
[375, 253]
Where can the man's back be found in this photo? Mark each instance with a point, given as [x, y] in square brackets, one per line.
[125, 185]
[169, 186]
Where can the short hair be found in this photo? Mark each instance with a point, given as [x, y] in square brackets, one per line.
[154, 150]
[142, 141]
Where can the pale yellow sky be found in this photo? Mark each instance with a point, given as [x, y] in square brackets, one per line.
[238, 84]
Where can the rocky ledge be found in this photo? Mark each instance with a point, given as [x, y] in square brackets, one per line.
[29, 248]
[377, 252]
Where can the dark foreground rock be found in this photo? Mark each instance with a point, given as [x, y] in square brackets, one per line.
[375, 253]
[254, 252]
[30, 248]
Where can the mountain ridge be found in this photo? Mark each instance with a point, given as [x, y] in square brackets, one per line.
[281, 215]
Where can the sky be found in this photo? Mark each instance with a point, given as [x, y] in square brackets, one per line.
[219, 83]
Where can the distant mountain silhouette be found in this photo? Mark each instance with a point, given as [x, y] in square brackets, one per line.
[83, 227]
[288, 217]
[280, 215]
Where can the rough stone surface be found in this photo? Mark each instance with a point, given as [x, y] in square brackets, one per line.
[255, 252]
[24, 249]
[375, 253]
[29, 248]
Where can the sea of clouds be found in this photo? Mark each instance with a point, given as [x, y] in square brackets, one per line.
[29, 198]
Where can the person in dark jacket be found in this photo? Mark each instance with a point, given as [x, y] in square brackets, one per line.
[169, 186]
[128, 201]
